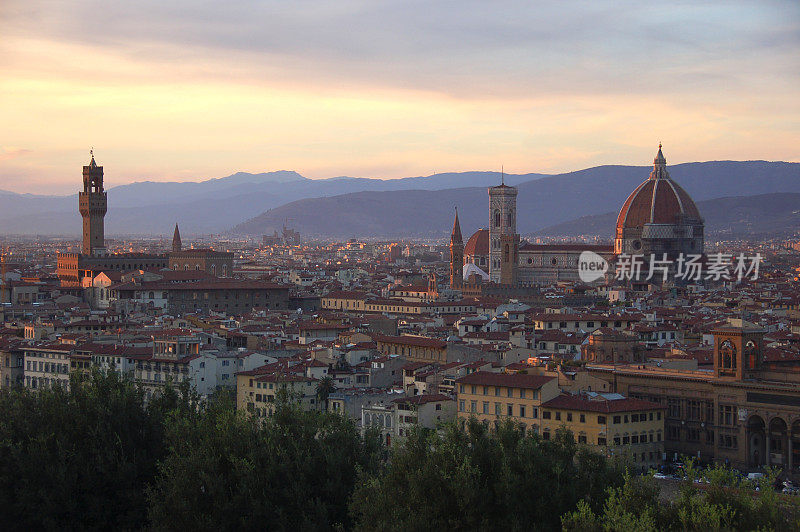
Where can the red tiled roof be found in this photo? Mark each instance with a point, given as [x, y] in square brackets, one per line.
[415, 341]
[584, 403]
[511, 380]
[478, 244]
[423, 399]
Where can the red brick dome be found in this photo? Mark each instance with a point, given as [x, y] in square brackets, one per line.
[659, 200]
[478, 243]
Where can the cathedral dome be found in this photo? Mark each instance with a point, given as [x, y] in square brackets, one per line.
[478, 244]
[659, 200]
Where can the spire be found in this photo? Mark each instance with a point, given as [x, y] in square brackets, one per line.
[659, 166]
[177, 245]
[91, 154]
[456, 238]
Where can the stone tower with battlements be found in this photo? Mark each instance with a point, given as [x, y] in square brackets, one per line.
[93, 204]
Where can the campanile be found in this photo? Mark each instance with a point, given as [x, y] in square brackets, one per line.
[93, 204]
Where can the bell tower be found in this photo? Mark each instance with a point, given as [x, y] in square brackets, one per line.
[93, 204]
[738, 350]
[502, 223]
[456, 256]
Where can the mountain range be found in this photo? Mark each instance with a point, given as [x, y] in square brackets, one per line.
[739, 216]
[541, 203]
[208, 206]
[255, 204]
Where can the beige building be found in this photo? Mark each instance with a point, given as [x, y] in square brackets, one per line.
[492, 396]
[746, 412]
[256, 394]
[617, 425]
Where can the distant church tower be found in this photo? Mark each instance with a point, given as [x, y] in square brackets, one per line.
[456, 256]
[93, 204]
[503, 237]
[177, 245]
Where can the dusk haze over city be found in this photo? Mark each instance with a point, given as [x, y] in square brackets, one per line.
[405, 266]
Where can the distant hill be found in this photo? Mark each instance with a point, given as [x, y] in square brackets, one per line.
[541, 203]
[207, 206]
[740, 216]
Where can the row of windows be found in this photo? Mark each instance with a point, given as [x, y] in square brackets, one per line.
[522, 393]
[46, 367]
[499, 409]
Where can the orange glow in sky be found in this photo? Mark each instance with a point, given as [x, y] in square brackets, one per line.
[176, 91]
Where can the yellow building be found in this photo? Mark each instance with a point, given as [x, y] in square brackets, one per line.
[492, 396]
[256, 393]
[616, 424]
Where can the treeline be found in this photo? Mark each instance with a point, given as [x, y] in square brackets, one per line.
[99, 457]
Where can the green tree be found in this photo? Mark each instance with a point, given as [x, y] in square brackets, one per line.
[225, 471]
[467, 477]
[325, 387]
[79, 459]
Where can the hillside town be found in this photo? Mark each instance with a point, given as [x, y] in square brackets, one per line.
[397, 335]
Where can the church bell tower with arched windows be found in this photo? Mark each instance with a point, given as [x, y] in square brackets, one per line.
[738, 350]
[503, 237]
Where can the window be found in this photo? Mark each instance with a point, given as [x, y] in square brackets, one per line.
[582, 438]
[626, 440]
[497, 391]
[485, 390]
[727, 441]
[510, 392]
[498, 409]
[634, 418]
[601, 420]
[461, 405]
[521, 410]
[634, 439]
[546, 435]
[486, 407]
[693, 410]
[727, 415]
[473, 407]
[522, 393]
[569, 416]
[460, 388]
[673, 433]
[601, 441]
[558, 416]
[545, 414]
[582, 418]
[617, 420]
[616, 440]
[673, 407]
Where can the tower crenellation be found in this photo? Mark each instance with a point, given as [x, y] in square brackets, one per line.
[93, 205]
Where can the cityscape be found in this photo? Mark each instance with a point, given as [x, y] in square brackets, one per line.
[605, 342]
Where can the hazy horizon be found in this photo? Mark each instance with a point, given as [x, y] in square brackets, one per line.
[184, 91]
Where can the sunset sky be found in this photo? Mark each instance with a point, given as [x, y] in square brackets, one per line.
[194, 89]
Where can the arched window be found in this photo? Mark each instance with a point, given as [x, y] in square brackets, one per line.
[508, 222]
[497, 218]
[186, 267]
[152, 295]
